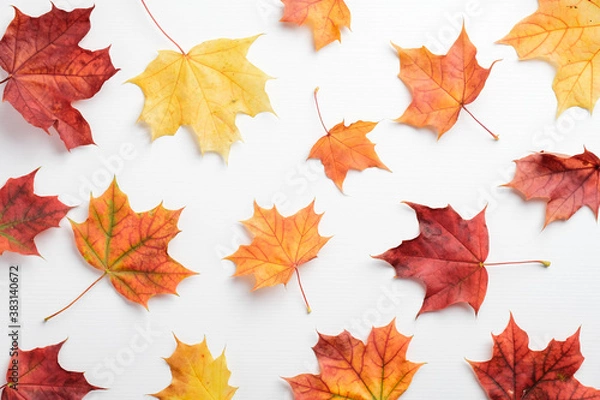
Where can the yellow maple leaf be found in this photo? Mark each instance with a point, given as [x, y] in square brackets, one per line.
[205, 88]
[280, 245]
[197, 375]
[565, 33]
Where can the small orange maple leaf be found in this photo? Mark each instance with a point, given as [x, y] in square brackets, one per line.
[350, 369]
[344, 148]
[441, 86]
[130, 248]
[280, 246]
[324, 17]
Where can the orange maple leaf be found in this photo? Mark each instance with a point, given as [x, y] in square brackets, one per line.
[130, 248]
[351, 370]
[324, 17]
[344, 148]
[280, 246]
[441, 86]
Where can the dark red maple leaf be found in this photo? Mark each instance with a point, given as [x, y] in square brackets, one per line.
[47, 70]
[36, 374]
[24, 214]
[517, 373]
[448, 257]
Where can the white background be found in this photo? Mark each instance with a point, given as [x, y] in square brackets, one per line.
[267, 334]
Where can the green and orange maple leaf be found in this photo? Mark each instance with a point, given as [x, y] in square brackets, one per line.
[565, 33]
[130, 248]
[350, 369]
[325, 18]
[279, 247]
[204, 88]
[24, 214]
[197, 375]
[441, 86]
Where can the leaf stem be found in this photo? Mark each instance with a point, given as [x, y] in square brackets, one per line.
[496, 137]
[308, 309]
[161, 29]
[78, 297]
[3, 386]
[1, 82]
[544, 263]
[319, 110]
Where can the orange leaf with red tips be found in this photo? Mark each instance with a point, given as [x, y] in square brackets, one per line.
[565, 183]
[280, 245]
[48, 70]
[350, 369]
[344, 148]
[517, 373]
[448, 257]
[325, 18]
[130, 248]
[441, 86]
[24, 214]
[40, 376]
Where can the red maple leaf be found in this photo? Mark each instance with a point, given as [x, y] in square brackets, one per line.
[565, 183]
[24, 214]
[517, 373]
[47, 70]
[36, 374]
[448, 257]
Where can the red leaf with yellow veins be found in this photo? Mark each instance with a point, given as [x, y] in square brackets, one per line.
[130, 248]
[565, 183]
[197, 375]
[24, 214]
[441, 86]
[350, 369]
[344, 148]
[324, 17]
[47, 71]
[448, 257]
[517, 373]
[280, 245]
[36, 374]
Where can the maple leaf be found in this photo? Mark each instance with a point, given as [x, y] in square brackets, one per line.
[36, 374]
[517, 373]
[565, 34]
[344, 148]
[130, 248]
[280, 246]
[197, 375]
[325, 18]
[565, 183]
[441, 86]
[448, 257]
[48, 70]
[350, 369]
[24, 214]
[205, 88]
